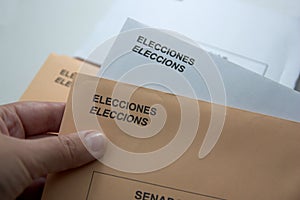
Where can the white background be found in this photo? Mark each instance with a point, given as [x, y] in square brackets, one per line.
[30, 30]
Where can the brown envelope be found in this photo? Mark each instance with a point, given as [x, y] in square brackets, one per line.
[54, 79]
[256, 157]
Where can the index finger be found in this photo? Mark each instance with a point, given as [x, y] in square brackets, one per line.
[24, 119]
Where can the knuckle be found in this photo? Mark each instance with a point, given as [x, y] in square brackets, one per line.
[68, 145]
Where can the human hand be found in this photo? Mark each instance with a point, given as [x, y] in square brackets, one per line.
[24, 160]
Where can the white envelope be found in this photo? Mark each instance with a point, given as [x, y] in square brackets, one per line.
[244, 89]
[262, 39]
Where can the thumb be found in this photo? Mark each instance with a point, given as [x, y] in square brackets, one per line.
[54, 154]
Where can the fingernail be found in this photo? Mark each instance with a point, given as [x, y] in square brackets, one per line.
[96, 143]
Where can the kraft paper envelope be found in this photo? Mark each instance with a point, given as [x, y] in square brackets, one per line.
[54, 79]
[256, 156]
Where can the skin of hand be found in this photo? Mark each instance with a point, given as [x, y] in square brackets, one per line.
[24, 161]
